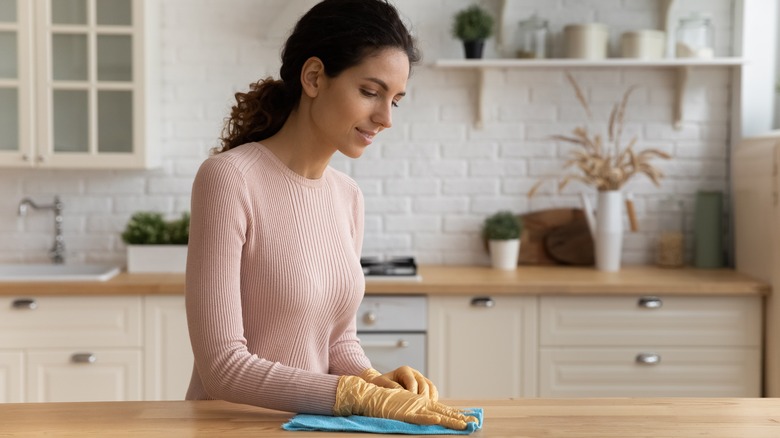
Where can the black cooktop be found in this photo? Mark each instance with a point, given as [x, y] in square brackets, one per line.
[395, 266]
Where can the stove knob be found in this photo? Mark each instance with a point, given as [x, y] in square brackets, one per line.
[369, 318]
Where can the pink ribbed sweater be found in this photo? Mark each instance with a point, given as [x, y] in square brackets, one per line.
[273, 282]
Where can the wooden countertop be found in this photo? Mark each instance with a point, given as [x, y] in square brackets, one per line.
[559, 418]
[464, 280]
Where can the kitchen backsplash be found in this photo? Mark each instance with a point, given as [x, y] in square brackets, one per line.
[429, 181]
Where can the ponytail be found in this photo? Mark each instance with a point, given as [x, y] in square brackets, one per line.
[257, 114]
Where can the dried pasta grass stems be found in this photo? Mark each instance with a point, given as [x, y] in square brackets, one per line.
[604, 165]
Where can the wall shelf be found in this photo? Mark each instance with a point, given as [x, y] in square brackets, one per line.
[682, 65]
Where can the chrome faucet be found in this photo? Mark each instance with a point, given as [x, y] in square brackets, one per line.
[57, 251]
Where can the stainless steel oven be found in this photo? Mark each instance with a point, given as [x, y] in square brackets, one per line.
[392, 331]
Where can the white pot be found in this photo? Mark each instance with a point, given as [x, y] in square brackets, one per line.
[504, 254]
[156, 258]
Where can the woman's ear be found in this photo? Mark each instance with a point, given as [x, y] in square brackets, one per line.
[312, 74]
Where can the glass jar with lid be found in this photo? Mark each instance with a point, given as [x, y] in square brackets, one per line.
[532, 38]
[695, 37]
[670, 251]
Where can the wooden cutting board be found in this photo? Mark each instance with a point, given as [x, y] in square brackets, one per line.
[558, 236]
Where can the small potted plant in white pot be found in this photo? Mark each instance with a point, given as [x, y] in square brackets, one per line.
[473, 26]
[502, 232]
[156, 245]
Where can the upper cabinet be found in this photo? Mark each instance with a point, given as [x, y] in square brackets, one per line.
[78, 85]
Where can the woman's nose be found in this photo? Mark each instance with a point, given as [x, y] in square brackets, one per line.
[384, 115]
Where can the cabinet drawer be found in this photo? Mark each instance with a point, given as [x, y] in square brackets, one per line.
[392, 313]
[629, 321]
[70, 322]
[681, 372]
[390, 351]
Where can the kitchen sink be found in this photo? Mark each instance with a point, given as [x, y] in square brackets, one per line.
[52, 272]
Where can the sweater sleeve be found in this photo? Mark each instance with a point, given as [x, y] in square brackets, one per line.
[221, 215]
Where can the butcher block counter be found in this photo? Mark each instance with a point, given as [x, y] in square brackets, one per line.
[466, 280]
[559, 418]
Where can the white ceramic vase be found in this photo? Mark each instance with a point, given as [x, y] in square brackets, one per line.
[609, 230]
[606, 228]
[504, 254]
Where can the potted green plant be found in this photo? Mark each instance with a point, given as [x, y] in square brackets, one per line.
[155, 244]
[473, 26]
[502, 232]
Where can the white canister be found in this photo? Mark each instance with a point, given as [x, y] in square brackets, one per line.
[586, 41]
[643, 44]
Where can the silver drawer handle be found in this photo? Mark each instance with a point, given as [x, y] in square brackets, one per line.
[369, 318]
[650, 302]
[482, 302]
[401, 343]
[648, 359]
[83, 358]
[25, 303]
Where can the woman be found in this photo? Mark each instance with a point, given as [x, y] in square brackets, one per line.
[273, 272]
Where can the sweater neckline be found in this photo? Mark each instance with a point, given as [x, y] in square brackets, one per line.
[289, 173]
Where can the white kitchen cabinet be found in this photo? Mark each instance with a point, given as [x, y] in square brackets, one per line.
[78, 84]
[169, 358]
[74, 348]
[483, 347]
[76, 375]
[650, 346]
[11, 372]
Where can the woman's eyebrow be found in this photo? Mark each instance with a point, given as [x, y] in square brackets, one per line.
[382, 84]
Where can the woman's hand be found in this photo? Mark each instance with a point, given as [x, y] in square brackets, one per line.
[355, 396]
[402, 377]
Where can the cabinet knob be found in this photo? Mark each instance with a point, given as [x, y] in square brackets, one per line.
[25, 304]
[482, 302]
[25, 157]
[41, 158]
[648, 359]
[83, 358]
[369, 318]
[650, 303]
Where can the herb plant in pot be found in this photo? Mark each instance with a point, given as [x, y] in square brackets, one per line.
[502, 232]
[473, 26]
[156, 245]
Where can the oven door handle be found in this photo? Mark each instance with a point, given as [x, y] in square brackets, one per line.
[401, 343]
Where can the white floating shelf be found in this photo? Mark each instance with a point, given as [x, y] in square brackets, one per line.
[565, 62]
[682, 65]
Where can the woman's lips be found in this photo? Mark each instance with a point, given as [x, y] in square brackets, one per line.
[368, 137]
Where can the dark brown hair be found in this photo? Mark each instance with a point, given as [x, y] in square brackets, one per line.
[341, 33]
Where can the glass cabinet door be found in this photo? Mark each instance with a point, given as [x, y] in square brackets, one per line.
[15, 82]
[88, 83]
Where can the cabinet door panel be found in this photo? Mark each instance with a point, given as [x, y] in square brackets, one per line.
[11, 376]
[16, 83]
[54, 376]
[169, 356]
[680, 372]
[482, 351]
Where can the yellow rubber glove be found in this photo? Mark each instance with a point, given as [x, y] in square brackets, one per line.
[402, 377]
[355, 396]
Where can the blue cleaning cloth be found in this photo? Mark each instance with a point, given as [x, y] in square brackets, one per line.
[359, 423]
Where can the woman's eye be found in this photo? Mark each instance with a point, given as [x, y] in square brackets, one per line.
[368, 93]
[395, 104]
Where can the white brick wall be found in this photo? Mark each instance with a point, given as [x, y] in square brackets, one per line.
[428, 182]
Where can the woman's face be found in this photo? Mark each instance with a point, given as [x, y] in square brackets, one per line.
[352, 108]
